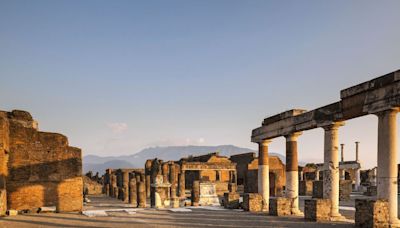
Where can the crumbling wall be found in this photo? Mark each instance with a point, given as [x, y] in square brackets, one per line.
[42, 169]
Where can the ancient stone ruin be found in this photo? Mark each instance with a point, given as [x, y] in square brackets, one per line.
[37, 168]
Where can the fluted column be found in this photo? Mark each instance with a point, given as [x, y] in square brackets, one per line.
[331, 166]
[263, 173]
[387, 160]
[292, 175]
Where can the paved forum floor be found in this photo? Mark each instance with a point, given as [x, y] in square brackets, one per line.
[120, 215]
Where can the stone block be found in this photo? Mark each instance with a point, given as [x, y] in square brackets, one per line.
[280, 206]
[306, 188]
[371, 213]
[345, 189]
[231, 200]
[371, 191]
[317, 209]
[318, 189]
[252, 202]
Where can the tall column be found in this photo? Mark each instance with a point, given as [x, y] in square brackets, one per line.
[172, 179]
[387, 160]
[292, 175]
[331, 166]
[317, 174]
[357, 173]
[125, 184]
[263, 173]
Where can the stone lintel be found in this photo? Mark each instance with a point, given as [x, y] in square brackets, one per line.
[283, 115]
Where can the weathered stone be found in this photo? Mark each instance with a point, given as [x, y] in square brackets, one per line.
[195, 193]
[371, 191]
[317, 209]
[141, 194]
[280, 206]
[345, 189]
[318, 189]
[252, 202]
[371, 213]
[231, 200]
[133, 192]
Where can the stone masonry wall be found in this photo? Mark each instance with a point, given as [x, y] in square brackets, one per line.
[371, 213]
[42, 169]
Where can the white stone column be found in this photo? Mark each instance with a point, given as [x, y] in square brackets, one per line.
[358, 181]
[317, 175]
[263, 173]
[331, 166]
[387, 160]
[292, 175]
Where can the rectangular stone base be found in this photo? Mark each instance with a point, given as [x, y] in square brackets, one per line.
[371, 213]
[280, 206]
[231, 200]
[252, 202]
[371, 191]
[318, 189]
[306, 188]
[317, 209]
[345, 188]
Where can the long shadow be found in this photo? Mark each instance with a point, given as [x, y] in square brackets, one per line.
[43, 223]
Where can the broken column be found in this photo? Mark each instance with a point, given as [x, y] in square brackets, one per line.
[125, 183]
[263, 173]
[195, 193]
[331, 167]
[133, 192]
[387, 161]
[292, 181]
[141, 194]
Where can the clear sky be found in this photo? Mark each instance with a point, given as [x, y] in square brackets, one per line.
[120, 76]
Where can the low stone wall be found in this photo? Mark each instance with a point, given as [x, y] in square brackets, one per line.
[345, 189]
[371, 213]
[317, 209]
[231, 200]
[318, 189]
[306, 188]
[280, 206]
[252, 202]
[371, 191]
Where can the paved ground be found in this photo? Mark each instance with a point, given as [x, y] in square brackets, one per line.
[193, 217]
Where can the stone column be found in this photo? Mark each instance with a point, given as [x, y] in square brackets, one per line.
[114, 189]
[263, 173]
[357, 173]
[182, 184]
[148, 177]
[387, 160]
[317, 175]
[172, 179]
[125, 184]
[165, 170]
[331, 167]
[373, 181]
[133, 192]
[292, 175]
[141, 194]
[195, 193]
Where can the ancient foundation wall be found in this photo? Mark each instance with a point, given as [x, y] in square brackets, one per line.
[42, 169]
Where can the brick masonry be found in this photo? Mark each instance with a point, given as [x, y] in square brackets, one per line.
[317, 209]
[42, 169]
[371, 213]
[345, 188]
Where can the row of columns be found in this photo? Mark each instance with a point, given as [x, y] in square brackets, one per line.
[387, 165]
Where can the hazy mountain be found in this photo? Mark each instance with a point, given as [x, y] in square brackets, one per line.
[99, 164]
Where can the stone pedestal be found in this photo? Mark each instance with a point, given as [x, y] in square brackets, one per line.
[160, 193]
[306, 188]
[317, 209]
[231, 200]
[345, 189]
[252, 202]
[318, 189]
[280, 206]
[371, 213]
[208, 194]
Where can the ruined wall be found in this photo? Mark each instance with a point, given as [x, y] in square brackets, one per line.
[4, 149]
[42, 169]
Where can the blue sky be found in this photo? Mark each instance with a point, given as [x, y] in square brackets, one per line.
[119, 76]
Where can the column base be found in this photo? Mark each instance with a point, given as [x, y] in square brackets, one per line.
[337, 218]
[297, 212]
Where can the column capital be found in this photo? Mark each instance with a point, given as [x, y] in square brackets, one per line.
[389, 111]
[293, 136]
[332, 125]
[265, 142]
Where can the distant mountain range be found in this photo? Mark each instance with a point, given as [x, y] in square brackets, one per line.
[96, 163]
